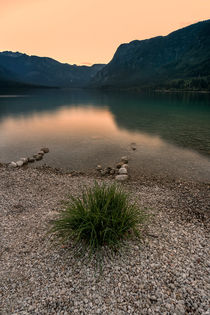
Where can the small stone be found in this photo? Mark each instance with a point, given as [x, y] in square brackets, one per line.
[41, 152]
[180, 309]
[74, 173]
[13, 164]
[25, 160]
[133, 146]
[153, 298]
[19, 163]
[98, 167]
[31, 160]
[38, 157]
[119, 165]
[124, 159]
[45, 150]
[112, 172]
[108, 169]
[122, 170]
[121, 178]
[125, 166]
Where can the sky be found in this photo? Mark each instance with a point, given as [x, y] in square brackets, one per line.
[89, 31]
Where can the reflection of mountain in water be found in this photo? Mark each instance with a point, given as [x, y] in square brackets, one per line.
[181, 119]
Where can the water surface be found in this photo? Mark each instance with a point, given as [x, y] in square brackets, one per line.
[86, 128]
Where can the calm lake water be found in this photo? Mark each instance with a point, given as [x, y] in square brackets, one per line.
[86, 128]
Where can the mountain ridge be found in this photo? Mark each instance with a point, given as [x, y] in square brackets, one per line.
[179, 60]
[183, 54]
[44, 71]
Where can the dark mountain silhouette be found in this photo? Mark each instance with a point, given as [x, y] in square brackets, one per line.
[180, 60]
[17, 69]
[5, 77]
[8, 80]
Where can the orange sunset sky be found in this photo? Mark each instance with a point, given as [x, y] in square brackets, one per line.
[89, 31]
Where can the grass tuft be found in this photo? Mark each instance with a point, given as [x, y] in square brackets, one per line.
[101, 218]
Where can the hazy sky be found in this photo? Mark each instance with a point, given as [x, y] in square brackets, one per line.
[89, 31]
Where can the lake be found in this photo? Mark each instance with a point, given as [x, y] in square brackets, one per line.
[83, 128]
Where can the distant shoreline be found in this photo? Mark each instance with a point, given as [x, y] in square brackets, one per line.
[108, 89]
[147, 90]
[183, 91]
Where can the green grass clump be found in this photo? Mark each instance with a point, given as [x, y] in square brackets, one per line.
[102, 218]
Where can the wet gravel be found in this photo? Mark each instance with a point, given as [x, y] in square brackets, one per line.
[166, 273]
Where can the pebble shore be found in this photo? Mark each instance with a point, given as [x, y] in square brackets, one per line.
[166, 273]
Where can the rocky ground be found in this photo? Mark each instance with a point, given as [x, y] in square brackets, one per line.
[166, 273]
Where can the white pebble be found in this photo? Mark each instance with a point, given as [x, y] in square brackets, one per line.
[122, 170]
[19, 163]
[25, 160]
[13, 164]
[121, 178]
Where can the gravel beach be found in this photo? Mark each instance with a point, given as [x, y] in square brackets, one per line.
[167, 272]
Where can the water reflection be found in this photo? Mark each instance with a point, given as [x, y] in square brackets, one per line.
[86, 128]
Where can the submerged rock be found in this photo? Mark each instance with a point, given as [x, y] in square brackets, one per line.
[41, 152]
[121, 178]
[39, 157]
[45, 150]
[133, 146]
[31, 160]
